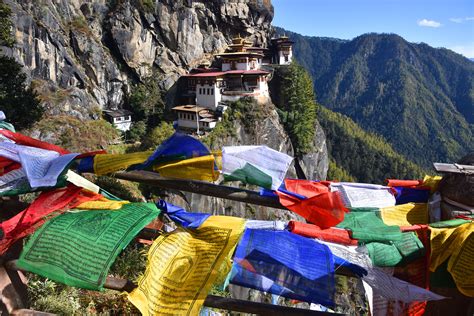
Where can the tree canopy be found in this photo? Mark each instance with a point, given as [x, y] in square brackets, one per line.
[297, 106]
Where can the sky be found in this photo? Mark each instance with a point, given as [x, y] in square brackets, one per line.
[439, 23]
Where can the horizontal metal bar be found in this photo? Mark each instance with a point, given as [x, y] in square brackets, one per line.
[201, 187]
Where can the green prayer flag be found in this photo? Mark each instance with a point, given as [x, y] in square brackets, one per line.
[368, 227]
[78, 248]
[450, 223]
[250, 174]
[410, 247]
[383, 255]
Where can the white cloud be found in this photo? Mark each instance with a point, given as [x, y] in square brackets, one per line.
[462, 20]
[429, 23]
[457, 20]
[466, 50]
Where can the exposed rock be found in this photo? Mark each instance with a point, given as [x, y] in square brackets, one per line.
[95, 49]
[316, 163]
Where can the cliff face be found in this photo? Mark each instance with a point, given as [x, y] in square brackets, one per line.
[82, 56]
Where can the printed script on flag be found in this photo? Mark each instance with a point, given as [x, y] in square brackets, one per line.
[183, 266]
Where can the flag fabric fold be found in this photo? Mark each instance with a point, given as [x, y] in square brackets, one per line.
[258, 165]
[313, 201]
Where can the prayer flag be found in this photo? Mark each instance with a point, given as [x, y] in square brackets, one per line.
[405, 214]
[313, 201]
[42, 167]
[199, 168]
[178, 147]
[364, 195]
[258, 165]
[21, 139]
[82, 182]
[47, 204]
[181, 217]
[336, 235]
[432, 182]
[382, 283]
[368, 227]
[457, 244]
[299, 264]
[102, 204]
[78, 248]
[183, 265]
[109, 163]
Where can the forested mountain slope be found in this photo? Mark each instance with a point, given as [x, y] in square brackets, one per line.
[359, 155]
[419, 98]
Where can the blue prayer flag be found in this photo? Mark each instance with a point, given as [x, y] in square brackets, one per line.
[181, 217]
[178, 147]
[301, 265]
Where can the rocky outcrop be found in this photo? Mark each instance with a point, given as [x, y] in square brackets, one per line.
[84, 55]
[267, 131]
[314, 165]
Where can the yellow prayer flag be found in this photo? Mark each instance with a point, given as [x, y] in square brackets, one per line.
[183, 265]
[405, 214]
[199, 168]
[461, 264]
[441, 241]
[218, 158]
[432, 182]
[108, 163]
[102, 204]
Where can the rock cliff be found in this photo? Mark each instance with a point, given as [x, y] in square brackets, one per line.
[82, 56]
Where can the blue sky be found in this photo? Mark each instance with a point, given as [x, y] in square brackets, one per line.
[439, 23]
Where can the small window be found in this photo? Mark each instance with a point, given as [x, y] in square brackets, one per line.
[212, 91]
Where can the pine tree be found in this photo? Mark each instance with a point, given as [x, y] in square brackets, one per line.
[297, 108]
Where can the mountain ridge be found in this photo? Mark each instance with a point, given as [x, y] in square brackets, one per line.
[421, 99]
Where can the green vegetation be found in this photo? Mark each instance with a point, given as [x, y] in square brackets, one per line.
[419, 98]
[6, 38]
[125, 190]
[338, 173]
[76, 135]
[297, 106]
[48, 296]
[79, 24]
[157, 135]
[137, 132]
[246, 111]
[19, 102]
[362, 156]
[146, 102]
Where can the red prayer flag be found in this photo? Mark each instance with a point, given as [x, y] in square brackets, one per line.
[7, 165]
[321, 207]
[336, 235]
[21, 139]
[48, 204]
[404, 183]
